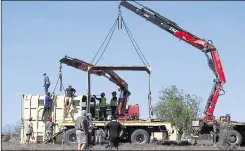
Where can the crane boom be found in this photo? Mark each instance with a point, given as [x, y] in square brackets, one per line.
[82, 65]
[109, 74]
[205, 46]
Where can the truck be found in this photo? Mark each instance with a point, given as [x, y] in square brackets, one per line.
[203, 125]
[136, 130]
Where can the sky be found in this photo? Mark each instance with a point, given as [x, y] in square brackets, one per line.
[36, 35]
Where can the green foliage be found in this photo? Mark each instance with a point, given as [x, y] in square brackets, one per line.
[178, 108]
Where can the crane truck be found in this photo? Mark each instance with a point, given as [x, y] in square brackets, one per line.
[204, 124]
[136, 130]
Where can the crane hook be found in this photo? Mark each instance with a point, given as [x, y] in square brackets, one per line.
[60, 77]
[119, 17]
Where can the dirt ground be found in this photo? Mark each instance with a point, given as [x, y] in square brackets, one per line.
[14, 144]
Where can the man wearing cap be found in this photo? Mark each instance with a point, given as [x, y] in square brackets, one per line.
[102, 104]
[81, 126]
[28, 130]
[49, 128]
[113, 103]
[47, 83]
[47, 105]
[70, 93]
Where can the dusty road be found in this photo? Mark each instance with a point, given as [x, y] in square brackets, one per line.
[15, 145]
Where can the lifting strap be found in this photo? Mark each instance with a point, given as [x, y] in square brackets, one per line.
[120, 22]
[59, 79]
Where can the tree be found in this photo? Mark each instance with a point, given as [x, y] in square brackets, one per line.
[178, 108]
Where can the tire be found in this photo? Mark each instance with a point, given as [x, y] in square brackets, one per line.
[140, 136]
[236, 138]
[70, 136]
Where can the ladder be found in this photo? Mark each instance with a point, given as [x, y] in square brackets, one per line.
[56, 134]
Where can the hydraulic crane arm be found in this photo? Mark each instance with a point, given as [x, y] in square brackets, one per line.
[109, 74]
[81, 65]
[205, 46]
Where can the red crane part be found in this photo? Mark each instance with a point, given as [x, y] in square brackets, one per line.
[205, 46]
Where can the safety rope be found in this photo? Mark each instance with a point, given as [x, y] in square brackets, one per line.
[120, 22]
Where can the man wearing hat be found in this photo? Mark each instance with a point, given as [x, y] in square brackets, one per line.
[113, 103]
[70, 93]
[81, 126]
[28, 130]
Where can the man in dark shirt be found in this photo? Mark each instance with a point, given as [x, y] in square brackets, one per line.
[70, 93]
[115, 131]
[47, 105]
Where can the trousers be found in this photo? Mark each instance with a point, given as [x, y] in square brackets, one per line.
[46, 86]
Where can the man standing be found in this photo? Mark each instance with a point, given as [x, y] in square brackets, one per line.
[113, 103]
[215, 132]
[47, 105]
[102, 104]
[70, 93]
[28, 130]
[90, 128]
[46, 83]
[115, 132]
[81, 126]
[49, 128]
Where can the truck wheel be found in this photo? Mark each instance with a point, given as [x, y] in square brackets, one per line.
[235, 138]
[70, 136]
[140, 136]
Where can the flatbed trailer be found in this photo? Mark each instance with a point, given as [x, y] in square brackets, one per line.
[138, 131]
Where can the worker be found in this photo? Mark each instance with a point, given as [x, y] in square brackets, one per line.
[49, 128]
[28, 130]
[215, 131]
[90, 128]
[47, 83]
[115, 131]
[120, 100]
[81, 126]
[102, 105]
[70, 93]
[113, 103]
[47, 105]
